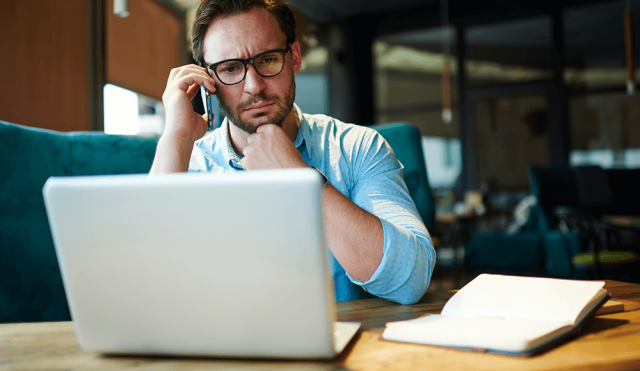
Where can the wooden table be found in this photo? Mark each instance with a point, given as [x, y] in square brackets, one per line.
[609, 342]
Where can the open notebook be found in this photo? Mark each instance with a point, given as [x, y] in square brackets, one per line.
[505, 314]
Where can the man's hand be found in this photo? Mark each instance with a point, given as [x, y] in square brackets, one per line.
[182, 86]
[182, 126]
[270, 148]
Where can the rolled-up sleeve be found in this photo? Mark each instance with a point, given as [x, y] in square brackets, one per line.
[409, 257]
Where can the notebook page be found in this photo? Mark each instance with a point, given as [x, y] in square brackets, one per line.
[524, 298]
[484, 333]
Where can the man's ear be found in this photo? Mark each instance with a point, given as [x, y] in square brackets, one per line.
[297, 57]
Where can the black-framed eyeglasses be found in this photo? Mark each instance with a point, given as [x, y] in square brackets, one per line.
[266, 64]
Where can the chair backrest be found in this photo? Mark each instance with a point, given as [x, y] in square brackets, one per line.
[589, 188]
[624, 189]
[553, 187]
[406, 142]
[30, 282]
[594, 190]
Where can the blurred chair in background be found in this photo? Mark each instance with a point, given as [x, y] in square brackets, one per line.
[609, 249]
[405, 140]
[569, 233]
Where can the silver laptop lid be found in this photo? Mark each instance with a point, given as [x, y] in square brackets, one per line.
[195, 264]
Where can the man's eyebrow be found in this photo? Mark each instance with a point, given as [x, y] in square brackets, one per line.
[222, 60]
[207, 63]
[237, 58]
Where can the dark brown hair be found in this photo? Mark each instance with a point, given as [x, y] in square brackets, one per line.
[209, 10]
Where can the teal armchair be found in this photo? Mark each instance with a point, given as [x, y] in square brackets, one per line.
[30, 283]
[540, 248]
[406, 142]
[576, 200]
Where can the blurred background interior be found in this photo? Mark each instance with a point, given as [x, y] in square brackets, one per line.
[528, 113]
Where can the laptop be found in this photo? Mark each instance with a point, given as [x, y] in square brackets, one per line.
[222, 265]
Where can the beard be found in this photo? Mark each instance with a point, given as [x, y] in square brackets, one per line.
[284, 105]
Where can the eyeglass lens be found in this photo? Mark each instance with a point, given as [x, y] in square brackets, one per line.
[267, 65]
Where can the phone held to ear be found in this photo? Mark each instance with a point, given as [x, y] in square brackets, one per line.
[206, 101]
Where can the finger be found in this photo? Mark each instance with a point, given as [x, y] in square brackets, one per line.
[175, 71]
[267, 127]
[209, 83]
[199, 75]
[246, 151]
[188, 69]
[193, 90]
[172, 75]
[196, 73]
[205, 117]
[251, 138]
[244, 162]
[185, 83]
[201, 119]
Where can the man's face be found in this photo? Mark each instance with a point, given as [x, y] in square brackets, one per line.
[257, 100]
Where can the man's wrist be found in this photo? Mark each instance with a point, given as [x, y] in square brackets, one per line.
[182, 137]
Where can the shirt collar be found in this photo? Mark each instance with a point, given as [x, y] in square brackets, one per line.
[232, 158]
[304, 139]
[303, 129]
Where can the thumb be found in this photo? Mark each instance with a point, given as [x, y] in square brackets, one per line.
[205, 117]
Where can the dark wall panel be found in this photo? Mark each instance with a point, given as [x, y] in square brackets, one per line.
[143, 47]
[43, 63]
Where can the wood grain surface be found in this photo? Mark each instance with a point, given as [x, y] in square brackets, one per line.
[609, 342]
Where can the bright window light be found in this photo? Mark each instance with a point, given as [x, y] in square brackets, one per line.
[443, 158]
[129, 113]
[120, 111]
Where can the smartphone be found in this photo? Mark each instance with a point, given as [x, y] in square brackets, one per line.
[208, 106]
[206, 102]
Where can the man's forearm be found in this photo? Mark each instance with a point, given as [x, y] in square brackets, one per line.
[354, 235]
[172, 155]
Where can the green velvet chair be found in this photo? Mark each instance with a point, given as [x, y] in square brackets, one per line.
[539, 248]
[31, 287]
[576, 199]
[30, 283]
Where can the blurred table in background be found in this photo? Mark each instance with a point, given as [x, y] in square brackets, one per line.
[455, 231]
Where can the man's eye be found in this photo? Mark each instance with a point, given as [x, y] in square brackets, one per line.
[229, 68]
[268, 60]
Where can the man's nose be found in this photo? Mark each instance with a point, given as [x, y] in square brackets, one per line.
[253, 82]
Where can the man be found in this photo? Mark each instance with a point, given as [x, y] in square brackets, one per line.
[250, 55]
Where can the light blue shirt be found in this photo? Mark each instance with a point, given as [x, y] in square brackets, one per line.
[359, 163]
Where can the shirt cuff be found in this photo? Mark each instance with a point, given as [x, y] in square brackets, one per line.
[405, 270]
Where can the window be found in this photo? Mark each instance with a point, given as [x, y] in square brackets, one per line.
[128, 113]
[508, 52]
[605, 130]
[409, 88]
[595, 45]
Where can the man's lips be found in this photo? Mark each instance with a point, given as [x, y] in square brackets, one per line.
[259, 106]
